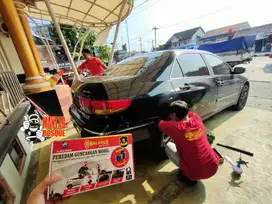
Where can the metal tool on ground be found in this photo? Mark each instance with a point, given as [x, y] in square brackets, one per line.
[221, 158]
[236, 149]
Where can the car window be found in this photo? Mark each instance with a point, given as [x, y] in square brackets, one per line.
[176, 71]
[192, 65]
[133, 65]
[219, 67]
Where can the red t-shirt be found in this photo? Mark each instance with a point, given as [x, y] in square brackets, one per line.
[197, 158]
[93, 65]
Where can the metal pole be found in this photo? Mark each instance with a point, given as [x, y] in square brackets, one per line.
[73, 55]
[128, 38]
[63, 42]
[155, 39]
[82, 43]
[46, 43]
[155, 29]
[116, 31]
[141, 46]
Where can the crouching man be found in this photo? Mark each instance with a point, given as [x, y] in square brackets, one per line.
[191, 151]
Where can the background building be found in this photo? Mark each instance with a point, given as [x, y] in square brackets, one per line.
[186, 39]
[224, 33]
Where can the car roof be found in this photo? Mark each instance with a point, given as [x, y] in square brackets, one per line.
[174, 51]
[182, 51]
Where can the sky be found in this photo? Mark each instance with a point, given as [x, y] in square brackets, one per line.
[172, 16]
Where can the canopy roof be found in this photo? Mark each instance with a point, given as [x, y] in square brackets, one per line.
[97, 14]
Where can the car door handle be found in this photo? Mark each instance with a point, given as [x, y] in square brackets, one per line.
[185, 87]
[220, 82]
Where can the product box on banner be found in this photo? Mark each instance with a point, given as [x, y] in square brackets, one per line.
[90, 163]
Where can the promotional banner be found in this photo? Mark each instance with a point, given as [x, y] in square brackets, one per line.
[90, 163]
[38, 129]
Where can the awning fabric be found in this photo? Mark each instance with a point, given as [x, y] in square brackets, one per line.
[97, 14]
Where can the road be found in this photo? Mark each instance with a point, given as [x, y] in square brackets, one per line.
[260, 95]
[249, 129]
[259, 72]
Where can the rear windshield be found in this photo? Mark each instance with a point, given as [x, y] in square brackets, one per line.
[133, 65]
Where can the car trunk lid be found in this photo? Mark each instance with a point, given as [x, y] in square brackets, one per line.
[91, 96]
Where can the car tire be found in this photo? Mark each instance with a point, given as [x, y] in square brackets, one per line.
[156, 137]
[242, 98]
[70, 186]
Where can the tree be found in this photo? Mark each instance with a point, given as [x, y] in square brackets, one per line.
[71, 35]
[89, 41]
[161, 47]
[104, 52]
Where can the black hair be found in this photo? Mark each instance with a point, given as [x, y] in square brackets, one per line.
[180, 108]
[86, 51]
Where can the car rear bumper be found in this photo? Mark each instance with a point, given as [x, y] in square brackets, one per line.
[82, 125]
[125, 130]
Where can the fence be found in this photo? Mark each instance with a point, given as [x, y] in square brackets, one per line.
[11, 93]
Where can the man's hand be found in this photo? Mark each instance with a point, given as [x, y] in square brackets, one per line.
[37, 196]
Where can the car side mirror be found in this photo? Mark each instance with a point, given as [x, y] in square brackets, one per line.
[238, 70]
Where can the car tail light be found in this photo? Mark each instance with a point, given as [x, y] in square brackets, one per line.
[104, 107]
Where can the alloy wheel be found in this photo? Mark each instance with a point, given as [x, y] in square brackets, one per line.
[244, 96]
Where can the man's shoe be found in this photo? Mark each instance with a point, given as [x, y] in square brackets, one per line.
[184, 179]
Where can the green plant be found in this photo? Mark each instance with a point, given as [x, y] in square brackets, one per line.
[72, 35]
[104, 52]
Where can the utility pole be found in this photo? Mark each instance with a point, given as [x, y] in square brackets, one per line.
[155, 32]
[122, 40]
[152, 49]
[141, 46]
[128, 38]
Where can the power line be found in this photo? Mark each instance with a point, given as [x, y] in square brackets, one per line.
[205, 15]
[140, 4]
[143, 10]
[167, 26]
[141, 35]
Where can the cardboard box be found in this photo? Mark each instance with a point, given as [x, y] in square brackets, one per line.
[65, 100]
[90, 163]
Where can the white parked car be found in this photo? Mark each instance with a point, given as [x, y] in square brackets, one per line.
[72, 182]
